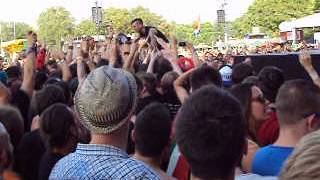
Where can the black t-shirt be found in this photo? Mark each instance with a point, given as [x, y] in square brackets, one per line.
[29, 153]
[143, 102]
[48, 160]
[22, 101]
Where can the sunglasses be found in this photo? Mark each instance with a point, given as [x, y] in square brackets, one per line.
[259, 99]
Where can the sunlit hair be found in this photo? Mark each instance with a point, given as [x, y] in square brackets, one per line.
[304, 162]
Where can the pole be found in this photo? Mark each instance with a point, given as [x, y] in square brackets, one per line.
[14, 30]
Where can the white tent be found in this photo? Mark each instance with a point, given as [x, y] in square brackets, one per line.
[305, 22]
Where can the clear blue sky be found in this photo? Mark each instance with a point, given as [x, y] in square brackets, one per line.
[180, 11]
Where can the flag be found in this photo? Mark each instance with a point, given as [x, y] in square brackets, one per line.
[197, 27]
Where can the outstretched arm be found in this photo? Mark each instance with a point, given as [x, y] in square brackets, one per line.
[29, 65]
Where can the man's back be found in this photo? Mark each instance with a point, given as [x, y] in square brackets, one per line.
[100, 162]
[269, 160]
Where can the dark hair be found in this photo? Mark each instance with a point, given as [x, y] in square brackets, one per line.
[137, 20]
[53, 63]
[73, 70]
[243, 92]
[270, 80]
[13, 72]
[205, 75]
[240, 72]
[47, 96]
[210, 132]
[297, 99]
[149, 81]
[152, 130]
[63, 85]
[161, 67]
[102, 62]
[11, 118]
[251, 80]
[56, 125]
[41, 78]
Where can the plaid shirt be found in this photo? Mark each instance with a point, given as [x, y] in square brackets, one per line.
[100, 162]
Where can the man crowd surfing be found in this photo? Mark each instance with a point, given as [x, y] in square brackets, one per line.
[138, 109]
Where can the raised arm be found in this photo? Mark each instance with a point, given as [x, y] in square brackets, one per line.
[69, 54]
[195, 57]
[306, 61]
[29, 65]
[179, 83]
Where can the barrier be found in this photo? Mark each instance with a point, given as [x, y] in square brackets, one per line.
[289, 63]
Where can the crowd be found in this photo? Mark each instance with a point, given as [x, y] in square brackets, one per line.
[137, 109]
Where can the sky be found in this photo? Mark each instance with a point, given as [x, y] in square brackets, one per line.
[180, 11]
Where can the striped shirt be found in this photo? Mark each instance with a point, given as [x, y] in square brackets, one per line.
[101, 162]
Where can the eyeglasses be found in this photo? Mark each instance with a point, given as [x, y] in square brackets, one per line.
[259, 99]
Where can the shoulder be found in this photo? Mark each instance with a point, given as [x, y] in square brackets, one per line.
[255, 177]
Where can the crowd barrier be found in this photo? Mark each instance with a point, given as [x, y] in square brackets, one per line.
[289, 63]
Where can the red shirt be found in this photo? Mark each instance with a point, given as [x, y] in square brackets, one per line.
[269, 130]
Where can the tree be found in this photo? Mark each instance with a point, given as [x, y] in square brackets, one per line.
[121, 18]
[85, 27]
[7, 30]
[268, 14]
[55, 24]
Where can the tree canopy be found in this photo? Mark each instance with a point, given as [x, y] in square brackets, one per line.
[55, 24]
[268, 14]
[7, 30]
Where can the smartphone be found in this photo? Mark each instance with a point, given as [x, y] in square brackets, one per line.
[182, 44]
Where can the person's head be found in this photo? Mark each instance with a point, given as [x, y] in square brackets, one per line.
[137, 25]
[3, 77]
[48, 96]
[105, 101]
[270, 80]
[211, 139]
[303, 164]
[63, 85]
[161, 66]
[152, 130]
[251, 80]
[225, 73]
[240, 72]
[41, 78]
[205, 75]
[298, 103]
[11, 118]
[253, 105]
[58, 127]
[149, 82]
[52, 66]
[6, 149]
[208, 56]
[5, 94]
[167, 82]
[14, 74]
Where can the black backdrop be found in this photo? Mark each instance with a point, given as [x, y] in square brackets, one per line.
[288, 63]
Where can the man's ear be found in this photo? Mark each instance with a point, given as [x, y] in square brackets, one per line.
[313, 123]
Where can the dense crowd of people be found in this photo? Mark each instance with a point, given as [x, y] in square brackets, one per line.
[138, 109]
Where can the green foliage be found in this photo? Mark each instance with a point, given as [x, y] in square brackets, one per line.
[85, 27]
[7, 30]
[268, 14]
[55, 24]
[121, 18]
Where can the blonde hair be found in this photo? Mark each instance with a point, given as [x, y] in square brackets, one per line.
[304, 164]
